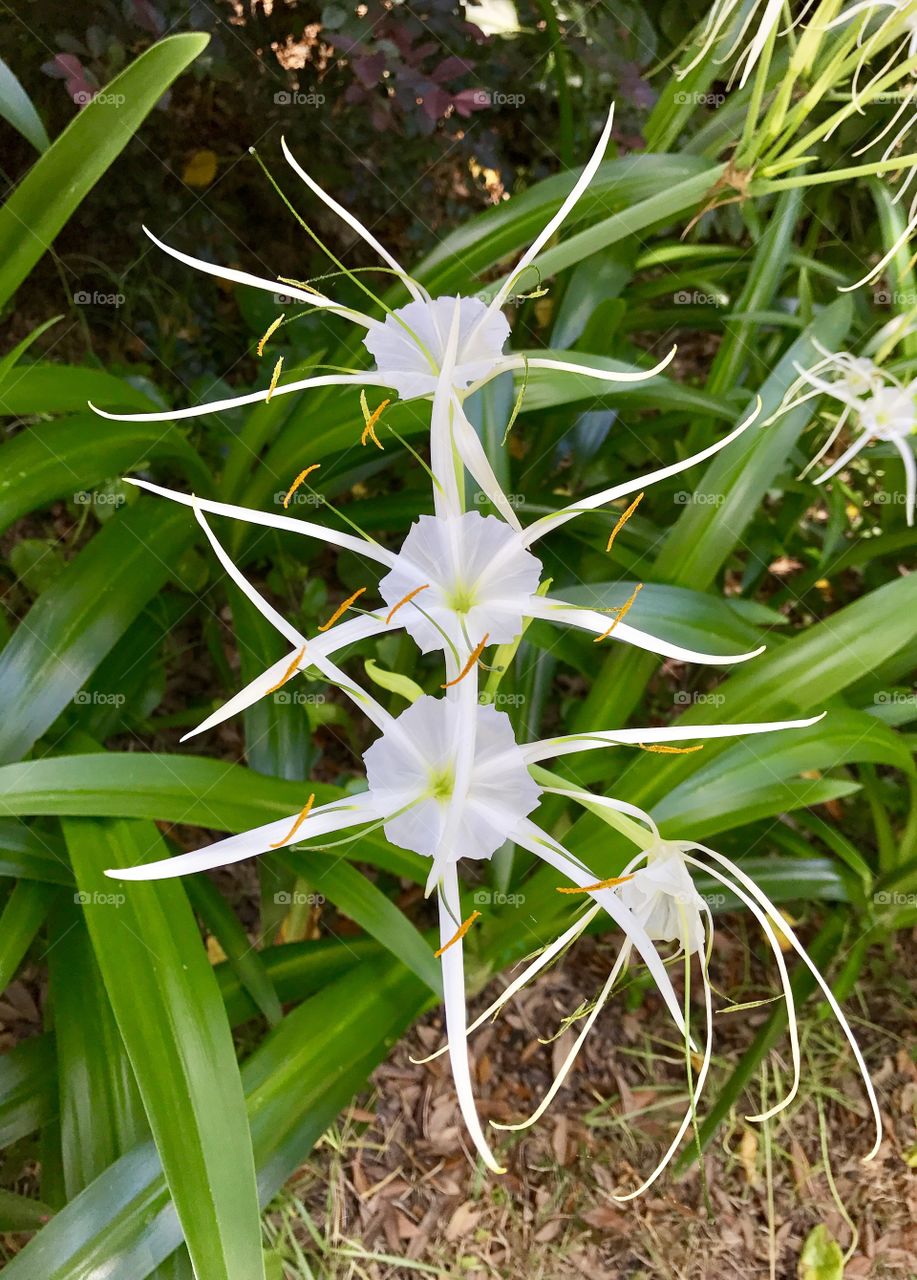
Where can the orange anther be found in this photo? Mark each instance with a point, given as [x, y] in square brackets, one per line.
[298, 481]
[288, 674]
[600, 884]
[369, 431]
[275, 378]
[622, 520]
[459, 933]
[620, 612]
[342, 609]
[406, 600]
[271, 329]
[306, 810]
[473, 657]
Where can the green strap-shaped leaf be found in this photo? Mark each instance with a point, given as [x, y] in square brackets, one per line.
[174, 1027]
[101, 1116]
[24, 914]
[176, 788]
[296, 1082]
[66, 459]
[72, 165]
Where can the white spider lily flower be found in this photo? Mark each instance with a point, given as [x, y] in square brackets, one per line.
[458, 577]
[410, 345]
[765, 13]
[880, 406]
[447, 780]
[658, 887]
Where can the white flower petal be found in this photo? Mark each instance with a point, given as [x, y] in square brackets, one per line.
[556, 518]
[257, 282]
[409, 347]
[337, 816]
[252, 397]
[353, 222]
[362, 546]
[454, 996]
[553, 610]
[566, 744]
[547, 231]
[531, 837]
[328, 642]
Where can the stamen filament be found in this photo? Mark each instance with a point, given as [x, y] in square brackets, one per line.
[341, 609]
[298, 481]
[405, 600]
[271, 329]
[288, 674]
[663, 750]
[622, 520]
[620, 611]
[275, 378]
[472, 659]
[459, 933]
[306, 810]
[600, 884]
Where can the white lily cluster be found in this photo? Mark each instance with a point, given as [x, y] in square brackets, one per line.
[873, 400]
[447, 778]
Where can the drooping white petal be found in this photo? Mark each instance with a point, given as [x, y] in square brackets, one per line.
[826, 447]
[353, 222]
[366, 703]
[362, 546]
[531, 837]
[788, 932]
[844, 460]
[785, 985]
[516, 362]
[453, 969]
[471, 451]
[874, 272]
[540, 527]
[336, 816]
[251, 397]
[578, 1043]
[544, 958]
[701, 1075]
[326, 643]
[446, 498]
[566, 744]
[553, 610]
[547, 231]
[256, 282]
[910, 477]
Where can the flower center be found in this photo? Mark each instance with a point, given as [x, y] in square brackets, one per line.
[441, 781]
